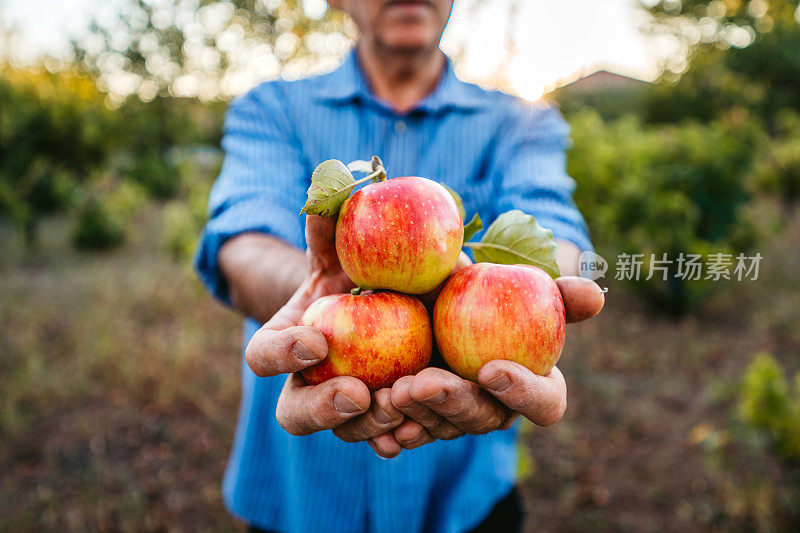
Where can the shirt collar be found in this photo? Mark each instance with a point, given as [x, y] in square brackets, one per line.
[347, 83]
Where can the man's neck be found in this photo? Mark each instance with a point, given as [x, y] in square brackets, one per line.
[401, 79]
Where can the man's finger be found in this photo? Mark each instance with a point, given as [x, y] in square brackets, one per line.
[320, 242]
[381, 417]
[385, 445]
[271, 352]
[436, 425]
[304, 409]
[540, 399]
[464, 403]
[583, 298]
[411, 434]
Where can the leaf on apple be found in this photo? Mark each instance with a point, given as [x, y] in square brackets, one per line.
[459, 201]
[472, 227]
[331, 184]
[516, 238]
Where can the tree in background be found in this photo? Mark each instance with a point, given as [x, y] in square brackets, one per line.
[210, 49]
[720, 129]
[740, 54]
[54, 131]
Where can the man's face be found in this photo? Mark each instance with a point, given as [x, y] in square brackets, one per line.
[403, 25]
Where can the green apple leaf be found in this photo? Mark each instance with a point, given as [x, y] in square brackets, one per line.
[472, 227]
[516, 238]
[331, 184]
[459, 201]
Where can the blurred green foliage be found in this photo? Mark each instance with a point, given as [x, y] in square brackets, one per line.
[97, 226]
[706, 91]
[778, 168]
[61, 143]
[675, 166]
[54, 130]
[755, 453]
[669, 189]
[185, 216]
[105, 211]
[768, 403]
[741, 54]
[154, 173]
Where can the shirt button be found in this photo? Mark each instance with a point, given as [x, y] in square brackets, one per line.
[399, 126]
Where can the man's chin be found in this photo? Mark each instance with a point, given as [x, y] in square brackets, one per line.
[408, 41]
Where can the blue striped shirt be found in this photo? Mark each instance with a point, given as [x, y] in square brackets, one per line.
[499, 153]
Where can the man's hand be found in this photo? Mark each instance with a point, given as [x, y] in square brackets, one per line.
[441, 405]
[342, 404]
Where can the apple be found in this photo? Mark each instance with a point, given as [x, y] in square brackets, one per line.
[403, 234]
[376, 337]
[429, 298]
[487, 311]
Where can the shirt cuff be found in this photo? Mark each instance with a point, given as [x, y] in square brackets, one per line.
[253, 215]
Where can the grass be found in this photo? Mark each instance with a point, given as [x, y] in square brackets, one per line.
[119, 383]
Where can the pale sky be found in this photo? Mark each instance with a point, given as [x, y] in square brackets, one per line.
[555, 41]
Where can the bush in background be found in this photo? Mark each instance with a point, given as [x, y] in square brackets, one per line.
[668, 189]
[154, 173]
[97, 226]
[755, 456]
[778, 169]
[105, 212]
[54, 130]
[57, 130]
[768, 403]
[185, 216]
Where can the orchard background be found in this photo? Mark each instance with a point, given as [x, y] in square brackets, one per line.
[119, 374]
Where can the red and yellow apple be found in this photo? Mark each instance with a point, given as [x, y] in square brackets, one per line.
[403, 234]
[487, 311]
[376, 337]
[429, 298]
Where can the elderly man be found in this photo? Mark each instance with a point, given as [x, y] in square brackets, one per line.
[451, 442]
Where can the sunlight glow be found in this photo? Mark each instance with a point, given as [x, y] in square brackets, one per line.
[527, 83]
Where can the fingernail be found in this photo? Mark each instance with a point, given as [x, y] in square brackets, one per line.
[301, 352]
[413, 441]
[345, 405]
[382, 417]
[439, 397]
[500, 383]
[387, 455]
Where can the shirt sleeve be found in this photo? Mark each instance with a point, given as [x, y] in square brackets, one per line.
[532, 176]
[262, 177]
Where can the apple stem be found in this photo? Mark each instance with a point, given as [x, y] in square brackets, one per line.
[378, 170]
[355, 291]
[374, 177]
